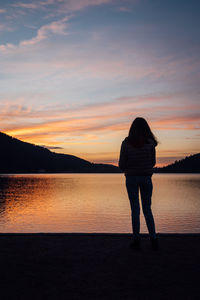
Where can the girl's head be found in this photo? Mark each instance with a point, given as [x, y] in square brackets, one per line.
[140, 133]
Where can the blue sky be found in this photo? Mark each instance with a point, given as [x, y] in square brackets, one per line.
[74, 74]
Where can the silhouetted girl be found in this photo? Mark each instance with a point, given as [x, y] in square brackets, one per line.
[137, 158]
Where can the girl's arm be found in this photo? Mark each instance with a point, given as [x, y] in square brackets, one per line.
[153, 156]
[123, 157]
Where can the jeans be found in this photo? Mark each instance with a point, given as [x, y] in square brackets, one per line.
[144, 184]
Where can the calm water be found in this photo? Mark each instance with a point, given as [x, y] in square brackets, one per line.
[94, 203]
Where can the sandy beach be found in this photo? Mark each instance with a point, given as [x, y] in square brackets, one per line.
[98, 266]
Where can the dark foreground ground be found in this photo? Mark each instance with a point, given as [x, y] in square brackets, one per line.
[98, 266]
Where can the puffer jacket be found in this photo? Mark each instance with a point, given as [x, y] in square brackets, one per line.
[137, 161]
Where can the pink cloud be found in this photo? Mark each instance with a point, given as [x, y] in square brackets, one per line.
[62, 5]
[97, 125]
[6, 47]
[114, 116]
[75, 5]
[26, 5]
[34, 4]
[56, 27]
[121, 106]
[124, 9]
[189, 121]
[129, 63]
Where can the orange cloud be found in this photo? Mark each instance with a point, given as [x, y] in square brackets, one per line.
[97, 126]
[111, 116]
[185, 122]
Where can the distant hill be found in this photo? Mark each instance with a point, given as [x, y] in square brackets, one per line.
[190, 164]
[20, 157]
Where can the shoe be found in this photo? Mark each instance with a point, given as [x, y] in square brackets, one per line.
[154, 243]
[135, 244]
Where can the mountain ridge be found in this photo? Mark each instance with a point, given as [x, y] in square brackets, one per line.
[189, 164]
[21, 157]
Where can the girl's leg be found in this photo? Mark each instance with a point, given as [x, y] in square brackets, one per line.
[146, 188]
[133, 194]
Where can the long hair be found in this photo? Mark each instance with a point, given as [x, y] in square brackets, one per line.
[140, 133]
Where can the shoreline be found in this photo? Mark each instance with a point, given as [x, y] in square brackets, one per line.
[100, 234]
[98, 266]
[103, 173]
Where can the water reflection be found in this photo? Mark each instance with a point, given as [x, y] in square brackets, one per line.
[4, 183]
[94, 203]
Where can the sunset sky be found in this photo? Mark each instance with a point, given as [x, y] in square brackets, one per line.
[75, 73]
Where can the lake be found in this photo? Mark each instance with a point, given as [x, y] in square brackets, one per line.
[95, 203]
